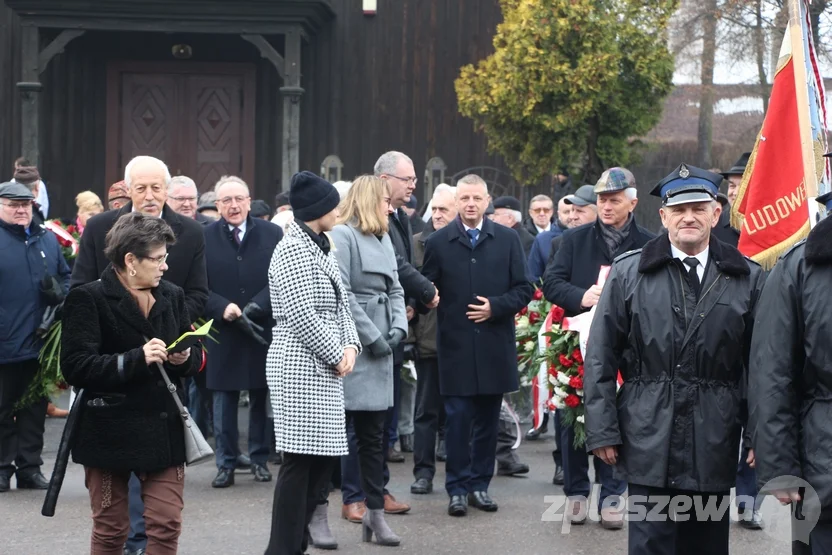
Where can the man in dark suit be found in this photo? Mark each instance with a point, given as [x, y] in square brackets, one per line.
[183, 197]
[571, 283]
[507, 212]
[147, 180]
[238, 252]
[481, 268]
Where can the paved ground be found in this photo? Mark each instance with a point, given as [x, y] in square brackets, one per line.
[236, 520]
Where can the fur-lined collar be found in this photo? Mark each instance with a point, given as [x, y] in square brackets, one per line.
[656, 254]
[818, 245]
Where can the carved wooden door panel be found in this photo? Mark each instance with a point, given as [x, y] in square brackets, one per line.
[213, 122]
[149, 126]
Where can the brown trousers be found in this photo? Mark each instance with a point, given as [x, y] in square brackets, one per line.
[163, 503]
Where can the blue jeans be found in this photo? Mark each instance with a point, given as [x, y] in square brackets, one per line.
[135, 506]
[747, 483]
[199, 406]
[227, 433]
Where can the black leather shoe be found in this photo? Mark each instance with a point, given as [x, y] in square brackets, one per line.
[441, 455]
[394, 455]
[557, 479]
[534, 434]
[512, 469]
[140, 551]
[482, 501]
[261, 473]
[4, 484]
[421, 486]
[407, 443]
[458, 506]
[751, 520]
[243, 462]
[276, 458]
[224, 479]
[34, 480]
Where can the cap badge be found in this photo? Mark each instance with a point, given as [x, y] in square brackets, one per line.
[684, 172]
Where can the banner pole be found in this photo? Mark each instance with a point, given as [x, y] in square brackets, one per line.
[802, 94]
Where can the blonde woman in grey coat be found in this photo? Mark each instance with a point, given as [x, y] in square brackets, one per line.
[368, 270]
[314, 347]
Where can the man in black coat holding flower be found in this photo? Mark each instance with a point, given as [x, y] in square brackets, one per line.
[481, 268]
[239, 249]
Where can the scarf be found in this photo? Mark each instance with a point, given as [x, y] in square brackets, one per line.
[144, 297]
[614, 238]
[321, 240]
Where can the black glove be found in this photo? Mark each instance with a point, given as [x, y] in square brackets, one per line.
[411, 351]
[251, 329]
[254, 312]
[380, 347]
[395, 337]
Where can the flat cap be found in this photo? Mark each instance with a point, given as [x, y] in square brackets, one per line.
[584, 196]
[614, 180]
[687, 184]
[508, 202]
[15, 191]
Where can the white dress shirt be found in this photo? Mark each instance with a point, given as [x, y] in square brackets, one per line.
[702, 257]
[242, 228]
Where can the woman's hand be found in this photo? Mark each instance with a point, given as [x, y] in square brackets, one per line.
[155, 350]
[179, 358]
[347, 362]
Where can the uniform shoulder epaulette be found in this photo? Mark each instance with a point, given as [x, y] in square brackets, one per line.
[627, 254]
[793, 247]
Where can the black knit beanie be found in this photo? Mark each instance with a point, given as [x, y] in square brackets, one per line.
[312, 196]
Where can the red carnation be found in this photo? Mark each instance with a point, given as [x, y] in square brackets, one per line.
[581, 370]
[576, 356]
[524, 310]
[553, 371]
[557, 315]
[566, 362]
[534, 317]
[572, 401]
[538, 294]
[71, 228]
[64, 242]
[577, 382]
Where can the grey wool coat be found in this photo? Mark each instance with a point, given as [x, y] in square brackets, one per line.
[314, 325]
[369, 274]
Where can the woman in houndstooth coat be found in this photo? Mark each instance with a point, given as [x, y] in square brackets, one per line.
[314, 346]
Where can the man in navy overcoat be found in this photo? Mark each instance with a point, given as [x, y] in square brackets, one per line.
[238, 250]
[480, 267]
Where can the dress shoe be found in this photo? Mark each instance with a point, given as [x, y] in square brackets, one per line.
[224, 479]
[421, 486]
[512, 469]
[4, 484]
[139, 551]
[243, 461]
[393, 507]
[54, 412]
[33, 480]
[394, 455]
[534, 434]
[319, 532]
[482, 501]
[261, 473]
[354, 512]
[458, 506]
[441, 455]
[374, 523]
[276, 458]
[751, 520]
[612, 518]
[576, 512]
[406, 442]
[557, 479]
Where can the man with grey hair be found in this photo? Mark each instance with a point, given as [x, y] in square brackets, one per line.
[183, 198]
[507, 213]
[541, 215]
[147, 179]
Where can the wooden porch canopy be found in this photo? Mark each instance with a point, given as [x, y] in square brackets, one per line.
[251, 19]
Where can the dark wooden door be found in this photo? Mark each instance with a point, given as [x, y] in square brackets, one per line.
[198, 118]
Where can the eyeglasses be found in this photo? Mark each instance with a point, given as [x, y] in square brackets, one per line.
[183, 199]
[26, 204]
[542, 210]
[226, 201]
[159, 260]
[405, 179]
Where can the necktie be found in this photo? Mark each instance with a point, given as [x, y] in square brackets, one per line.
[473, 234]
[693, 277]
[237, 236]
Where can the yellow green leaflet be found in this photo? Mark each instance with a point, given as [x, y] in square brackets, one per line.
[202, 331]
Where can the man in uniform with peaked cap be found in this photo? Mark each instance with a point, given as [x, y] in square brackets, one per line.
[664, 317]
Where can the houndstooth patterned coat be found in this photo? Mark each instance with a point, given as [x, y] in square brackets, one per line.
[314, 324]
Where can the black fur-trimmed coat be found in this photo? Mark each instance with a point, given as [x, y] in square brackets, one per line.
[140, 428]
